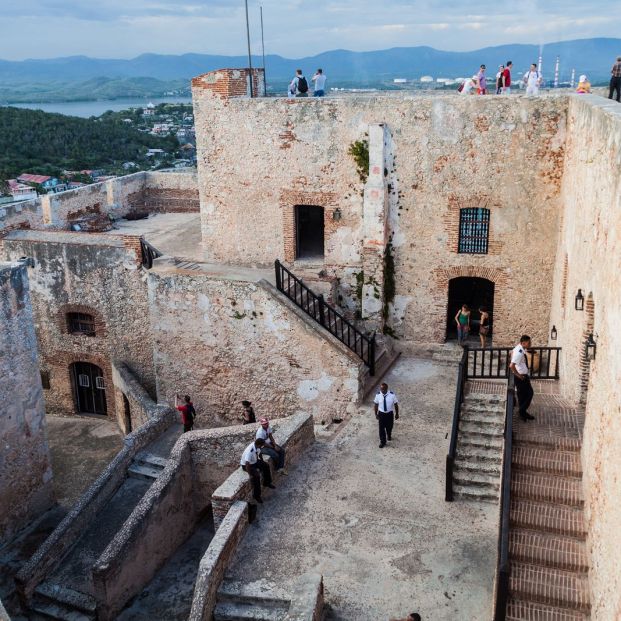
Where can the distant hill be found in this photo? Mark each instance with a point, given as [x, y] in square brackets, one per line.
[591, 56]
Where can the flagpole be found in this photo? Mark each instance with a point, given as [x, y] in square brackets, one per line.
[263, 51]
[249, 53]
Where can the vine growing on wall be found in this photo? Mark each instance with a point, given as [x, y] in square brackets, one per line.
[390, 286]
[359, 150]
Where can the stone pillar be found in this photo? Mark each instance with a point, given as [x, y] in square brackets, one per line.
[375, 230]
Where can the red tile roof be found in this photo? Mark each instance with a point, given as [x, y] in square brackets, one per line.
[28, 178]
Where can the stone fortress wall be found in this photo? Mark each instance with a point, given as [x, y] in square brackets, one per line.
[25, 466]
[438, 156]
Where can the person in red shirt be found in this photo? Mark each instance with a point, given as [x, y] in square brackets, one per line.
[187, 412]
[506, 78]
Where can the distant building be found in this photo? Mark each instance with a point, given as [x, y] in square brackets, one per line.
[149, 110]
[154, 152]
[21, 191]
[400, 81]
[426, 79]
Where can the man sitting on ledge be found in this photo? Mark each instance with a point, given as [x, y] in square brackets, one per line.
[252, 463]
[277, 453]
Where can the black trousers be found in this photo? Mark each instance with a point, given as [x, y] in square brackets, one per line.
[615, 85]
[255, 471]
[525, 393]
[386, 420]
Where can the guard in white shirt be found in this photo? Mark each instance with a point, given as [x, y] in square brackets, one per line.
[519, 367]
[273, 450]
[386, 412]
[252, 463]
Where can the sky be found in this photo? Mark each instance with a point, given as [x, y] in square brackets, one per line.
[293, 28]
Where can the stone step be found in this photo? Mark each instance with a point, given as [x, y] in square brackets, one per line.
[520, 610]
[241, 593]
[548, 549]
[532, 434]
[479, 454]
[141, 471]
[540, 459]
[546, 517]
[551, 586]
[480, 467]
[493, 443]
[483, 418]
[65, 596]
[479, 429]
[478, 493]
[149, 459]
[547, 487]
[48, 610]
[236, 611]
[476, 479]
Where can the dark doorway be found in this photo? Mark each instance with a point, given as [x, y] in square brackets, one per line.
[89, 388]
[475, 292]
[127, 414]
[308, 232]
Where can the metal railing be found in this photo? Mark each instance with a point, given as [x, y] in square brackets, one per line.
[316, 307]
[459, 398]
[503, 571]
[149, 253]
[543, 362]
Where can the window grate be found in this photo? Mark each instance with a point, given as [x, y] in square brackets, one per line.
[100, 383]
[81, 323]
[84, 380]
[473, 230]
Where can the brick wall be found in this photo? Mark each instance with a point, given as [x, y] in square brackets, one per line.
[230, 83]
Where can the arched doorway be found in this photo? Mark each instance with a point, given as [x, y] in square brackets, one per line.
[89, 388]
[475, 292]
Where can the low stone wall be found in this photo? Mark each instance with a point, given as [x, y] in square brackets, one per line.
[307, 599]
[142, 407]
[294, 434]
[216, 560]
[161, 522]
[90, 504]
[171, 192]
[23, 215]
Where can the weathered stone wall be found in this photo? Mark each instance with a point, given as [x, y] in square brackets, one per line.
[97, 274]
[223, 340]
[589, 258]
[168, 192]
[442, 154]
[25, 468]
[24, 215]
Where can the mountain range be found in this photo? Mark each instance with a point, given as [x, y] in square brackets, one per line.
[19, 78]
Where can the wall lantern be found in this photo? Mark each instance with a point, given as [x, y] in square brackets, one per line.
[591, 347]
[553, 333]
[579, 300]
[336, 215]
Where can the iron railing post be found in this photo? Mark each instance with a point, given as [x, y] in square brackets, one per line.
[322, 309]
[371, 354]
[278, 275]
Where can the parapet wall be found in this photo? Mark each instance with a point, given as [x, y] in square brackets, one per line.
[588, 258]
[25, 465]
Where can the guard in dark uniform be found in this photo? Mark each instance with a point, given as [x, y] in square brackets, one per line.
[386, 412]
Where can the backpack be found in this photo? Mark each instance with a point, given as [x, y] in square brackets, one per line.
[302, 84]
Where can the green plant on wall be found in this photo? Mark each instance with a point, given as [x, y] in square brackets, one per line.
[359, 150]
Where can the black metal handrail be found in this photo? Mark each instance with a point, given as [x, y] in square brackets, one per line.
[149, 253]
[462, 374]
[503, 572]
[316, 307]
[494, 363]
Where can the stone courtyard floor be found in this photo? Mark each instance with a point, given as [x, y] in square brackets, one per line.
[374, 522]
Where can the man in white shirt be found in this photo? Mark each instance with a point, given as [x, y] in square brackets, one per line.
[386, 412]
[532, 80]
[519, 367]
[277, 453]
[319, 80]
[252, 463]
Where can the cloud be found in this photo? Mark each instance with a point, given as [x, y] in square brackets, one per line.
[293, 28]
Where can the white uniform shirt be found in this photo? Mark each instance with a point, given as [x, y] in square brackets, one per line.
[469, 86]
[264, 434]
[518, 358]
[391, 399]
[320, 81]
[249, 455]
[532, 79]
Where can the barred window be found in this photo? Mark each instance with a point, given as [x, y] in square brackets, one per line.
[81, 323]
[473, 230]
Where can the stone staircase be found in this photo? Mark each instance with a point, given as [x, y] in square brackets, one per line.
[547, 540]
[146, 466]
[236, 602]
[477, 469]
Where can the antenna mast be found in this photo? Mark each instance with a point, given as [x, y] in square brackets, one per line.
[249, 54]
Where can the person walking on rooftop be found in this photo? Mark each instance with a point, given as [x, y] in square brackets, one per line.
[248, 416]
[255, 467]
[532, 81]
[299, 84]
[319, 81]
[188, 413]
[277, 453]
[482, 79]
[462, 319]
[501, 70]
[386, 412]
[506, 79]
[615, 80]
[519, 368]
